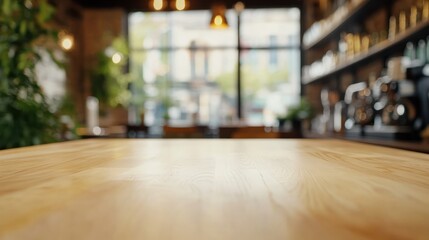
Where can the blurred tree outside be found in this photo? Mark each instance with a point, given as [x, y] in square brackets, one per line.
[139, 38]
[152, 39]
[253, 81]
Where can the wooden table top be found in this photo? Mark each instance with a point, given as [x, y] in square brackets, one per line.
[213, 189]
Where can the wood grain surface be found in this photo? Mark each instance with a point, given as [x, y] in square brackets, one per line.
[213, 189]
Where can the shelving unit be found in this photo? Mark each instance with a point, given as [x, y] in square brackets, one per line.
[376, 51]
[365, 18]
[415, 146]
[340, 25]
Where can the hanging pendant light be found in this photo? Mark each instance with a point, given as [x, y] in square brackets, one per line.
[157, 5]
[179, 5]
[218, 19]
[239, 7]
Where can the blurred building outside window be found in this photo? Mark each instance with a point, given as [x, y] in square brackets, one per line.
[186, 73]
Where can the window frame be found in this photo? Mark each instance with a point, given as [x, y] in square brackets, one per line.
[239, 48]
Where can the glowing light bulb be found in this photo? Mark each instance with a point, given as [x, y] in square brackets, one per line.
[180, 5]
[67, 44]
[66, 41]
[116, 58]
[239, 7]
[158, 4]
[218, 21]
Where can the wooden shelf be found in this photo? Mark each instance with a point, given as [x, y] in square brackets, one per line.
[416, 146]
[376, 51]
[354, 14]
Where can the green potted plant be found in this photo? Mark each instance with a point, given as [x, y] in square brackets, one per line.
[26, 118]
[109, 82]
[296, 114]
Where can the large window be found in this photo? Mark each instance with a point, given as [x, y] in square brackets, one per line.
[187, 73]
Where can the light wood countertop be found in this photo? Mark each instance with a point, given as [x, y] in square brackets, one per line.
[213, 189]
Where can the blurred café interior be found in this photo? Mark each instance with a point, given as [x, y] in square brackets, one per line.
[347, 69]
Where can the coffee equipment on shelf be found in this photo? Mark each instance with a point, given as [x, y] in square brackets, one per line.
[325, 122]
[386, 107]
[393, 107]
[359, 107]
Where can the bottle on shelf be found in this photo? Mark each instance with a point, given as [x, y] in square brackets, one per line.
[425, 10]
[427, 49]
[413, 16]
[342, 48]
[402, 22]
[410, 51]
[392, 27]
[365, 43]
[357, 44]
[350, 45]
[421, 51]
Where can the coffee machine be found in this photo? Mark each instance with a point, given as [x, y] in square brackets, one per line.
[388, 108]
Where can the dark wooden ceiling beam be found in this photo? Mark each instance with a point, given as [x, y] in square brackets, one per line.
[142, 5]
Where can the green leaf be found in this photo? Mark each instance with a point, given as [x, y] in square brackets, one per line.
[46, 11]
[6, 7]
[23, 27]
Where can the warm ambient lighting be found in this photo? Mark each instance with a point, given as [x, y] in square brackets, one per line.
[116, 58]
[66, 41]
[218, 20]
[239, 7]
[180, 5]
[159, 5]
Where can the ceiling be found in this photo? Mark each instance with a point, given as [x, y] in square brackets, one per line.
[135, 5]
